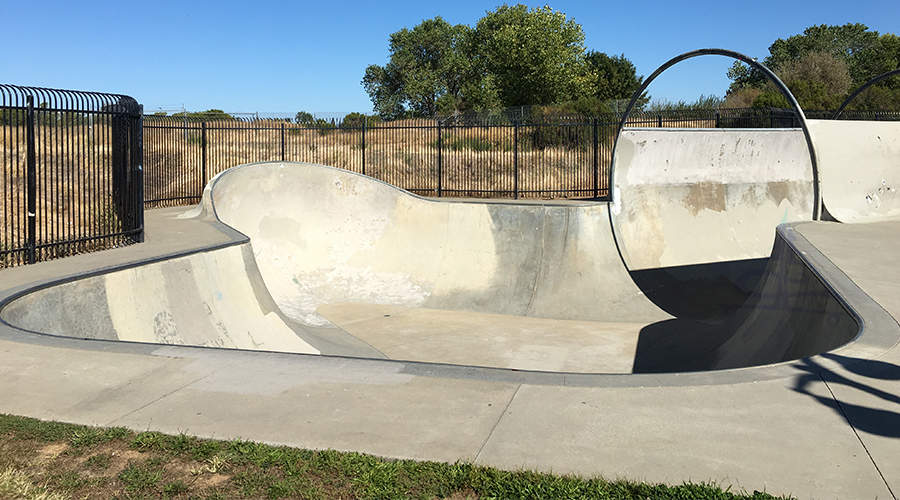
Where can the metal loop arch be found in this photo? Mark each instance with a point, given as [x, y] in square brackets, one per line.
[754, 64]
[864, 86]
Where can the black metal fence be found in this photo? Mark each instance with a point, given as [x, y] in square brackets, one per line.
[849, 114]
[71, 180]
[490, 156]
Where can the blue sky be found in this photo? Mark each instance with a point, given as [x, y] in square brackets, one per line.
[287, 56]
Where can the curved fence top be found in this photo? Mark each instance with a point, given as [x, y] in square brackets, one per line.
[71, 180]
[68, 100]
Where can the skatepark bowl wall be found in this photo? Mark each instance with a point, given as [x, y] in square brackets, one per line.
[683, 271]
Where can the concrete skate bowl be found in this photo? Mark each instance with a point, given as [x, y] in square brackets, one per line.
[344, 265]
[684, 270]
[693, 215]
[693, 266]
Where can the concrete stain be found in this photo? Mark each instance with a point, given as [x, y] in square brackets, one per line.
[779, 191]
[705, 196]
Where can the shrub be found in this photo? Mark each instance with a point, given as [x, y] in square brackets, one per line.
[360, 120]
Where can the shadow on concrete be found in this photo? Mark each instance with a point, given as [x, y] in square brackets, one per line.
[877, 421]
[791, 314]
[701, 291]
[678, 345]
[701, 297]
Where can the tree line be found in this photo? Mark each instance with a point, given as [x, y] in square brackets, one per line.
[821, 67]
[513, 56]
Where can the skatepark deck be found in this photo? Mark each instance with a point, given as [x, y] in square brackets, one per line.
[450, 330]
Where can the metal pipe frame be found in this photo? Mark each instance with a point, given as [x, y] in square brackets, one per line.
[817, 201]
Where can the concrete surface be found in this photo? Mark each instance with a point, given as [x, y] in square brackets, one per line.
[336, 238]
[726, 188]
[342, 237]
[859, 183]
[185, 300]
[821, 426]
[824, 427]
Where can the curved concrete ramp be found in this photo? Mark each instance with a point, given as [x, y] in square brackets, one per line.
[212, 299]
[342, 264]
[335, 236]
[695, 210]
[859, 168]
[791, 315]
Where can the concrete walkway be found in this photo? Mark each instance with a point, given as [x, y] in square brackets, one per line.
[825, 427]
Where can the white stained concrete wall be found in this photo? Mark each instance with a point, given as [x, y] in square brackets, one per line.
[859, 168]
[696, 196]
[335, 236]
[213, 299]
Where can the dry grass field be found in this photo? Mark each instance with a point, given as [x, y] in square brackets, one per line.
[74, 182]
[74, 191]
[549, 161]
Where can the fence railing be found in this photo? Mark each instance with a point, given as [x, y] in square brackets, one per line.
[548, 157]
[79, 167]
[71, 180]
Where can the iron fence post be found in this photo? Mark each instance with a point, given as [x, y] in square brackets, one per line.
[596, 158]
[32, 181]
[121, 174]
[138, 162]
[365, 126]
[515, 159]
[282, 141]
[202, 155]
[439, 160]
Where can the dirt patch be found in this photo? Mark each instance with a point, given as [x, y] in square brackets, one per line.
[51, 451]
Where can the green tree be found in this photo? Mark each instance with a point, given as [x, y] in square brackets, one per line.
[616, 76]
[208, 115]
[842, 42]
[880, 57]
[743, 77]
[359, 120]
[426, 71]
[822, 66]
[304, 118]
[818, 80]
[878, 97]
[534, 57]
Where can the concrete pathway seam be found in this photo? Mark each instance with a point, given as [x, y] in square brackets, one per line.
[99, 396]
[855, 432]
[502, 414]
[173, 391]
